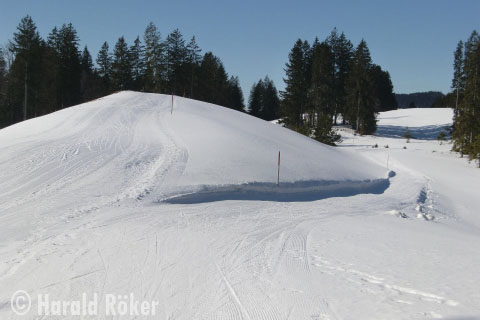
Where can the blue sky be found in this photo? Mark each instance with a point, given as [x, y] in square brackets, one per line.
[413, 40]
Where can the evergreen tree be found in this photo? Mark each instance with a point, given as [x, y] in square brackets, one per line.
[25, 72]
[121, 66]
[470, 109]
[104, 62]
[270, 101]
[154, 59]
[137, 62]
[361, 96]
[255, 101]
[458, 82]
[343, 55]
[236, 95]
[176, 57]
[321, 95]
[90, 83]
[384, 89]
[86, 61]
[295, 94]
[69, 66]
[3, 85]
[193, 62]
[208, 74]
[221, 92]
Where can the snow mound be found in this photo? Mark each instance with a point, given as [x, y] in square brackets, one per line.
[136, 145]
[422, 123]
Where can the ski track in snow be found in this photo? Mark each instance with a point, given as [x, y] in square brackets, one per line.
[337, 258]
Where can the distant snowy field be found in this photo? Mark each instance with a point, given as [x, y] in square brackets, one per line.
[122, 196]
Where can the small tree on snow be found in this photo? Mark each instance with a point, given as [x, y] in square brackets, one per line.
[407, 135]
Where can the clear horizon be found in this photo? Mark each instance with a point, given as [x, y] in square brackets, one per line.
[414, 42]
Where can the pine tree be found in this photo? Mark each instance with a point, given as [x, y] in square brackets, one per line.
[458, 82]
[222, 92]
[137, 62]
[25, 72]
[69, 66]
[255, 101]
[321, 94]
[343, 55]
[104, 62]
[236, 95]
[90, 82]
[270, 103]
[121, 66]
[295, 94]
[3, 85]
[154, 59]
[470, 109]
[193, 62]
[361, 96]
[176, 56]
[384, 89]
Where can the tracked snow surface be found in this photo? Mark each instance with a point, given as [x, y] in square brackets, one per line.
[127, 195]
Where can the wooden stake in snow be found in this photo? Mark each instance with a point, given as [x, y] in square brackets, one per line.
[278, 175]
[171, 112]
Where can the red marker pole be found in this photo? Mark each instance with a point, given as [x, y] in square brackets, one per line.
[278, 175]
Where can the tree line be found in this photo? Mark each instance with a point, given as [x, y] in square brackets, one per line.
[332, 81]
[465, 97]
[39, 76]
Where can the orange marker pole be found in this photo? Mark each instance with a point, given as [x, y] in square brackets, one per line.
[278, 175]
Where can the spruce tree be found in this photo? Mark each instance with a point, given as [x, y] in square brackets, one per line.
[222, 91]
[236, 95]
[25, 74]
[270, 103]
[321, 94]
[295, 94]
[154, 59]
[470, 109]
[384, 89]
[3, 82]
[193, 63]
[69, 66]
[104, 62]
[342, 50]
[255, 100]
[361, 94]
[458, 82]
[90, 83]
[176, 56]
[137, 62]
[121, 66]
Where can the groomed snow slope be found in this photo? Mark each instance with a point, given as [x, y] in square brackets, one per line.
[81, 213]
[130, 145]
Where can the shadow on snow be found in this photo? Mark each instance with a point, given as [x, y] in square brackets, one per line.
[422, 133]
[300, 191]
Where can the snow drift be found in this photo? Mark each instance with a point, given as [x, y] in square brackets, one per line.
[131, 145]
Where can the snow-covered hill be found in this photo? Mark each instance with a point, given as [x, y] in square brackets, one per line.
[123, 196]
[129, 144]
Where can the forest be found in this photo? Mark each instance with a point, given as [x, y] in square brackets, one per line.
[326, 82]
[465, 97]
[39, 76]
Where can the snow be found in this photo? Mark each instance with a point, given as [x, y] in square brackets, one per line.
[121, 196]
[422, 123]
